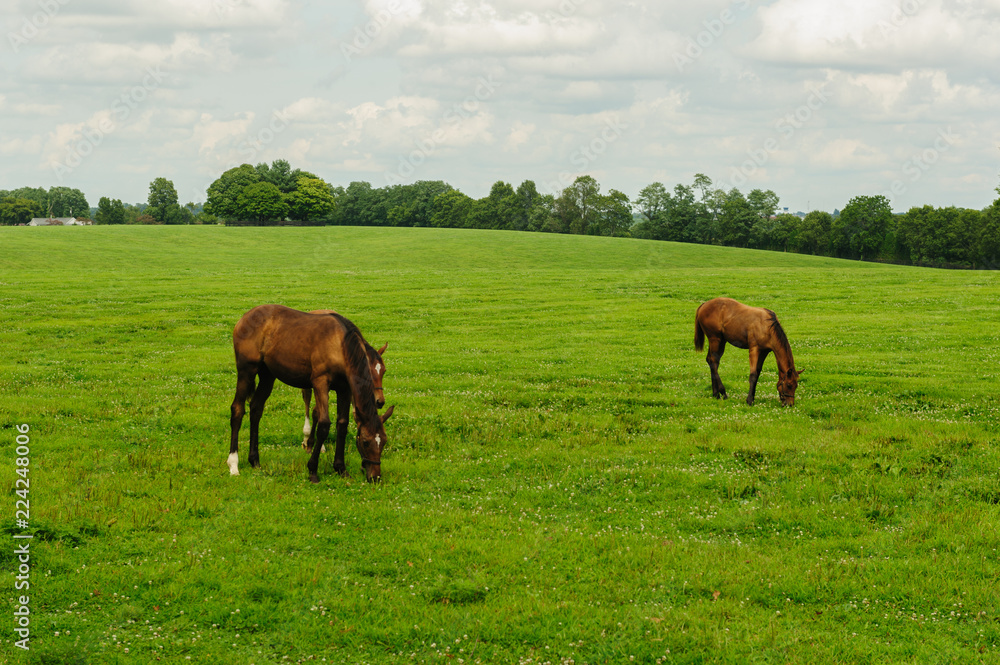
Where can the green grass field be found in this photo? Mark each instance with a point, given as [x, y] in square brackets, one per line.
[558, 487]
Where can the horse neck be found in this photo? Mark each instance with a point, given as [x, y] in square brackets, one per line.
[783, 356]
[362, 392]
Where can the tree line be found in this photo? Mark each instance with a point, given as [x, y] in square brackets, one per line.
[697, 213]
[20, 206]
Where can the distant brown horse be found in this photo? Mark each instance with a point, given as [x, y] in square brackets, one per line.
[322, 352]
[755, 328]
[377, 366]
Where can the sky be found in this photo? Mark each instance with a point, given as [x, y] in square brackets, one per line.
[817, 100]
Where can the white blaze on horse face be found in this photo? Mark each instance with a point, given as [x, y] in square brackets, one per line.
[234, 464]
[378, 368]
[378, 440]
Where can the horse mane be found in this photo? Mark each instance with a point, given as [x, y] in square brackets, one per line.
[355, 352]
[779, 332]
[372, 352]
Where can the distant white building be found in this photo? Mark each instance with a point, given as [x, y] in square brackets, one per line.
[59, 221]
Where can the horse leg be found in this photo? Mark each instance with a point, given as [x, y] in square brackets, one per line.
[264, 386]
[343, 420]
[321, 417]
[716, 347]
[244, 388]
[757, 357]
[307, 429]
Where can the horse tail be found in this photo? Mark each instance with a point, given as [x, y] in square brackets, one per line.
[699, 335]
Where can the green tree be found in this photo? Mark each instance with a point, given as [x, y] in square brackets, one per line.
[162, 203]
[766, 230]
[579, 205]
[110, 211]
[763, 202]
[736, 219]
[16, 210]
[310, 201]
[35, 194]
[67, 202]
[839, 241]
[940, 236]
[451, 210]
[703, 184]
[988, 238]
[281, 174]
[495, 211]
[683, 215]
[865, 221]
[542, 212]
[811, 235]
[653, 203]
[262, 202]
[709, 208]
[614, 214]
[350, 204]
[522, 206]
[224, 193]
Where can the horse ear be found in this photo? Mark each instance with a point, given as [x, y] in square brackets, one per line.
[382, 350]
[388, 412]
[797, 374]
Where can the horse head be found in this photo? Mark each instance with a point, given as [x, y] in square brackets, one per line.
[787, 383]
[371, 444]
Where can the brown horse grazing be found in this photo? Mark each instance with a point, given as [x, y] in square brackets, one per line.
[378, 368]
[322, 352]
[755, 328]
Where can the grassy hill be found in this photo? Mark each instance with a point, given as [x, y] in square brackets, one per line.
[558, 486]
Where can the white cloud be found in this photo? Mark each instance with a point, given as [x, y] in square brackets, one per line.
[486, 90]
[519, 135]
[874, 33]
[210, 133]
[128, 63]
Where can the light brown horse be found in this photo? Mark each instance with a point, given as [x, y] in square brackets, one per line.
[377, 366]
[755, 328]
[322, 352]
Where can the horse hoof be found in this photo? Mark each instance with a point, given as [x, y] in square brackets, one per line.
[314, 479]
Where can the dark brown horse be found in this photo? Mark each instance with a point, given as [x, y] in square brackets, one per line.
[377, 366]
[322, 352]
[755, 328]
